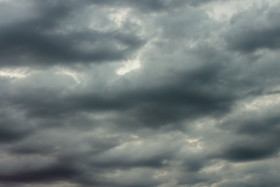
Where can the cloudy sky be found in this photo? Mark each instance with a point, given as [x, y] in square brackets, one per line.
[139, 93]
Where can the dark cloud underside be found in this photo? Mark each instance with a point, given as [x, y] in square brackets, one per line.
[139, 93]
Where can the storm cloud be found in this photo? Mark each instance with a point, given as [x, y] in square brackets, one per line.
[139, 93]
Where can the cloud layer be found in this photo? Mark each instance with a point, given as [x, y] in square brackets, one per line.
[139, 93]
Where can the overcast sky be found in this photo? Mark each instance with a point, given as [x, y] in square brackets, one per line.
[139, 93]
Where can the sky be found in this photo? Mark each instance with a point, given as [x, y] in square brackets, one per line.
[139, 93]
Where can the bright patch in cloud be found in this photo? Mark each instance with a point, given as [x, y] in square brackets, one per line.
[72, 74]
[129, 66]
[13, 73]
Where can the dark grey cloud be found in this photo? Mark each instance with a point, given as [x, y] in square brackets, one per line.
[45, 39]
[42, 175]
[261, 135]
[48, 37]
[152, 6]
[26, 46]
[12, 129]
[139, 93]
[249, 151]
[252, 40]
[167, 103]
[261, 33]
